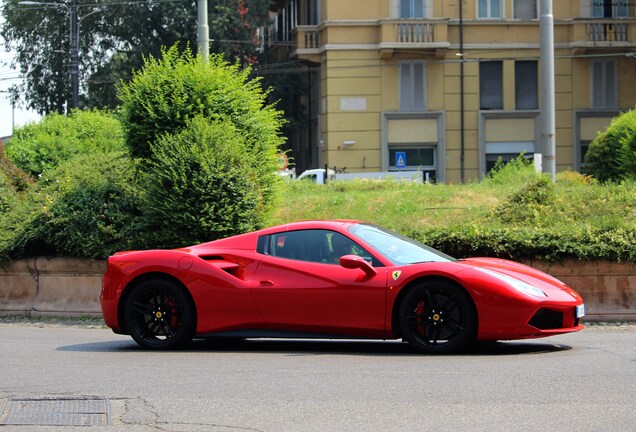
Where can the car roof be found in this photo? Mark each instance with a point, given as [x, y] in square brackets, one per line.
[334, 224]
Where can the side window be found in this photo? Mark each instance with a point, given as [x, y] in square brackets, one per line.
[321, 246]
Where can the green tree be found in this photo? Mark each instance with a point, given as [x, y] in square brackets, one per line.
[114, 37]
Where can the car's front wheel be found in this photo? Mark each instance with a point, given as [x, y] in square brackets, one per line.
[160, 315]
[437, 317]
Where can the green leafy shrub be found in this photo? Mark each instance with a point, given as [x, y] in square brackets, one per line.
[203, 184]
[206, 143]
[529, 203]
[612, 155]
[37, 147]
[12, 178]
[574, 178]
[518, 170]
[85, 207]
[168, 92]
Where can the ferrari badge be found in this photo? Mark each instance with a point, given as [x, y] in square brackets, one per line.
[396, 274]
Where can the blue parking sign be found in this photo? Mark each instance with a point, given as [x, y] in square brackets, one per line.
[400, 159]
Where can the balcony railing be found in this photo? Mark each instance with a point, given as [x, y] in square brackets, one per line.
[306, 37]
[607, 32]
[401, 33]
[590, 33]
[414, 32]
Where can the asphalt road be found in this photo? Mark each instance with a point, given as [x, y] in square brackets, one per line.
[578, 382]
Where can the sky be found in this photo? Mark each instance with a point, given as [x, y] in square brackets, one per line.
[9, 77]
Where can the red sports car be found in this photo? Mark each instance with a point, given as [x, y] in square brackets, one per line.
[330, 279]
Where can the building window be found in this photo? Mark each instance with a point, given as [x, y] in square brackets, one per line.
[507, 151]
[418, 157]
[491, 85]
[604, 89]
[412, 86]
[412, 9]
[526, 85]
[610, 8]
[489, 8]
[525, 9]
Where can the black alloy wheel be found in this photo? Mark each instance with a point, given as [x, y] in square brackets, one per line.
[437, 317]
[160, 315]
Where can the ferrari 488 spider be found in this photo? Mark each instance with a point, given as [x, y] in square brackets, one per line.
[330, 279]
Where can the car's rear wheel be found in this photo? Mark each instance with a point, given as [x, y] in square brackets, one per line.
[160, 315]
[437, 317]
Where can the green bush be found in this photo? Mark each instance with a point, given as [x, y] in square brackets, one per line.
[11, 177]
[206, 144]
[529, 203]
[203, 184]
[612, 155]
[520, 169]
[85, 207]
[37, 147]
[167, 93]
[518, 242]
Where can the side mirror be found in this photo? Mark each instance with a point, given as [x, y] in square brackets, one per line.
[357, 262]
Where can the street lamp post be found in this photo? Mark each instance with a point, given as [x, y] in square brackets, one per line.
[74, 42]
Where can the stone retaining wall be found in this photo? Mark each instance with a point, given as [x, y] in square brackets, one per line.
[71, 287]
[57, 286]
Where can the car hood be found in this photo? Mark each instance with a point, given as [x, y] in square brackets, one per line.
[527, 274]
[517, 270]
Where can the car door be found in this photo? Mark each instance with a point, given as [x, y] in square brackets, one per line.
[299, 285]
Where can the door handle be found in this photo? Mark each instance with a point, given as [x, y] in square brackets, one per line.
[266, 283]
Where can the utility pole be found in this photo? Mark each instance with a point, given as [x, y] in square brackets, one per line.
[548, 128]
[462, 126]
[203, 34]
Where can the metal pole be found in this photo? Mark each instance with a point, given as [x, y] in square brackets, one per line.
[74, 56]
[548, 129]
[461, 92]
[203, 35]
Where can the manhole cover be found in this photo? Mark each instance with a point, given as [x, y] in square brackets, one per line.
[55, 412]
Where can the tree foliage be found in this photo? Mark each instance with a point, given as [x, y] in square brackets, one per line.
[114, 37]
[202, 184]
[171, 91]
[612, 155]
[206, 142]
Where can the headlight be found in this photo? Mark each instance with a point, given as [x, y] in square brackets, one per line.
[517, 284]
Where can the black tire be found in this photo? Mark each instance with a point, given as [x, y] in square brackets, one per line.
[160, 315]
[437, 317]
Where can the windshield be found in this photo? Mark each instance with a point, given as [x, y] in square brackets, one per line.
[396, 247]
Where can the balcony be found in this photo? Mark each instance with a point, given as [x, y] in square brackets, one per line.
[403, 34]
[390, 36]
[603, 33]
[307, 41]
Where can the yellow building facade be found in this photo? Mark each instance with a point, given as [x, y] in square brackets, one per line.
[451, 85]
